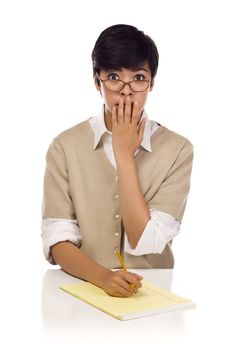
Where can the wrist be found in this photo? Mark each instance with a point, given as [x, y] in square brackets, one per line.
[100, 274]
[122, 159]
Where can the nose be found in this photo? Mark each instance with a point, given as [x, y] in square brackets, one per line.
[126, 91]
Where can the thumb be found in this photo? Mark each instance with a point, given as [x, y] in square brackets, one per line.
[139, 277]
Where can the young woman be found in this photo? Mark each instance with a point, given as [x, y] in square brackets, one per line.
[117, 179]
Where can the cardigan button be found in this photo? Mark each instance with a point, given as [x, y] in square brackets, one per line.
[116, 234]
[116, 195]
[117, 178]
[117, 216]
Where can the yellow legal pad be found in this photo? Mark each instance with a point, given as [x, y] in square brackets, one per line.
[149, 300]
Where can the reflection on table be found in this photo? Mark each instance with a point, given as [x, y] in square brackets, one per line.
[66, 316]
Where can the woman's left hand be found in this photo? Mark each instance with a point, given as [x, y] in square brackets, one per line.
[126, 135]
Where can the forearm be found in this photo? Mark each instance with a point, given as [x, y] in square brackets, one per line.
[75, 262]
[134, 209]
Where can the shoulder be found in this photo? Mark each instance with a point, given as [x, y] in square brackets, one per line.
[174, 138]
[72, 134]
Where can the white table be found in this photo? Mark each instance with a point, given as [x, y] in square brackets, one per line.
[66, 317]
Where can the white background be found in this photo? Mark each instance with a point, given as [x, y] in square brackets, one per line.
[46, 86]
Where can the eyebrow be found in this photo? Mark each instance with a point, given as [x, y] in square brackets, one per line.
[133, 69]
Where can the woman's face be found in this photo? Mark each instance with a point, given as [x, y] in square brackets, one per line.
[112, 98]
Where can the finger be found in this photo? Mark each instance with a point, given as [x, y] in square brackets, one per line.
[127, 110]
[121, 280]
[128, 286]
[135, 113]
[114, 116]
[125, 283]
[125, 292]
[139, 277]
[119, 294]
[131, 278]
[133, 288]
[116, 294]
[136, 285]
[120, 112]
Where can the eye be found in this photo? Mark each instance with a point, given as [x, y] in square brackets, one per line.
[140, 76]
[112, 75]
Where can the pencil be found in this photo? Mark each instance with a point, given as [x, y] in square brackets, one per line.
[122, 263]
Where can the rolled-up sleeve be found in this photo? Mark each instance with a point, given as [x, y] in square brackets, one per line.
[160, 229]
[58, 230]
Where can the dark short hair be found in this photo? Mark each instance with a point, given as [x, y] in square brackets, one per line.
[124, 46]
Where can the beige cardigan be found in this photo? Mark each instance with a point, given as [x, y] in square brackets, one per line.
[80, 183]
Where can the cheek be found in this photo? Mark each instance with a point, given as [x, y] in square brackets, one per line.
[110, 99]
[141, 100]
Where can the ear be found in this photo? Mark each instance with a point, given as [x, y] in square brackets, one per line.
[96, 82]
[152, 85]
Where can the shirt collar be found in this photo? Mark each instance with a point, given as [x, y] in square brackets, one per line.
[99, 128]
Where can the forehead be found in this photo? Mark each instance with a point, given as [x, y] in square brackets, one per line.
[145, 67]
